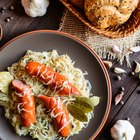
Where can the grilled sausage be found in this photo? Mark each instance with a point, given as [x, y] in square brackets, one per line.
[26, 103]
[59, 113]
[54, 80]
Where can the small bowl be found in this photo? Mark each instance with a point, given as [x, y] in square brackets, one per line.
[128, 28]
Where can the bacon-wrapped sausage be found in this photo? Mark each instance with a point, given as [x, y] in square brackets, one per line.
[26, 103]
[54, 80]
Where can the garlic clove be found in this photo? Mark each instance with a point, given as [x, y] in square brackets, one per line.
[137, 69]
[135, 49]
[119, 70]
[115, 49]
[118, 98]
[108, 64]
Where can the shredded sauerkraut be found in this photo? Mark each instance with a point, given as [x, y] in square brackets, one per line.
[43, 128]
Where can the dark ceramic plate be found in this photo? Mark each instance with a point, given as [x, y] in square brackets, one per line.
[85, 59]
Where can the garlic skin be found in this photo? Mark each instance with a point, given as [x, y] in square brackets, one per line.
[108, 64]
[137, 69]
[35, 8]
[122, 130]
[135, 49]
[116, 49]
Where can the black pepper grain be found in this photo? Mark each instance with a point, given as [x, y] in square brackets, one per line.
[11, 18]
[12, 8]
[2, 11]
[132, 73]
[3, 8]
[7, 19]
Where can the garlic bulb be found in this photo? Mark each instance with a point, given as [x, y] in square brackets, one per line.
[122, 130]
[35, 8]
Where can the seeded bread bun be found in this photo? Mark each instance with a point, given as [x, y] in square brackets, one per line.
[106, 13]
[78, 3]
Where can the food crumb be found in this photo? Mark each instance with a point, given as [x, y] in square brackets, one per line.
[2, 11]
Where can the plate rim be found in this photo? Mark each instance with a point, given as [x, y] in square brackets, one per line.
[93, 53]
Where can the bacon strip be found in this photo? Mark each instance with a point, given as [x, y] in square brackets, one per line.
[26, 103]
[59, 113]
[54, 80]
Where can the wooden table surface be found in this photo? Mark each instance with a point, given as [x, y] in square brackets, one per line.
[21, 23]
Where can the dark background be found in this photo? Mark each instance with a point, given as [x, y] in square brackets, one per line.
[23, 23]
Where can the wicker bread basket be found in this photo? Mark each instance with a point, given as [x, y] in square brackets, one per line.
[123, 30]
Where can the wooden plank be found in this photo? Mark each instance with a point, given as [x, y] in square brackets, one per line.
[130, 83]
[23, 23]
[131, 109]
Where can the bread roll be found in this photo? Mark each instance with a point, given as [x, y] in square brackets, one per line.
[106, 13]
